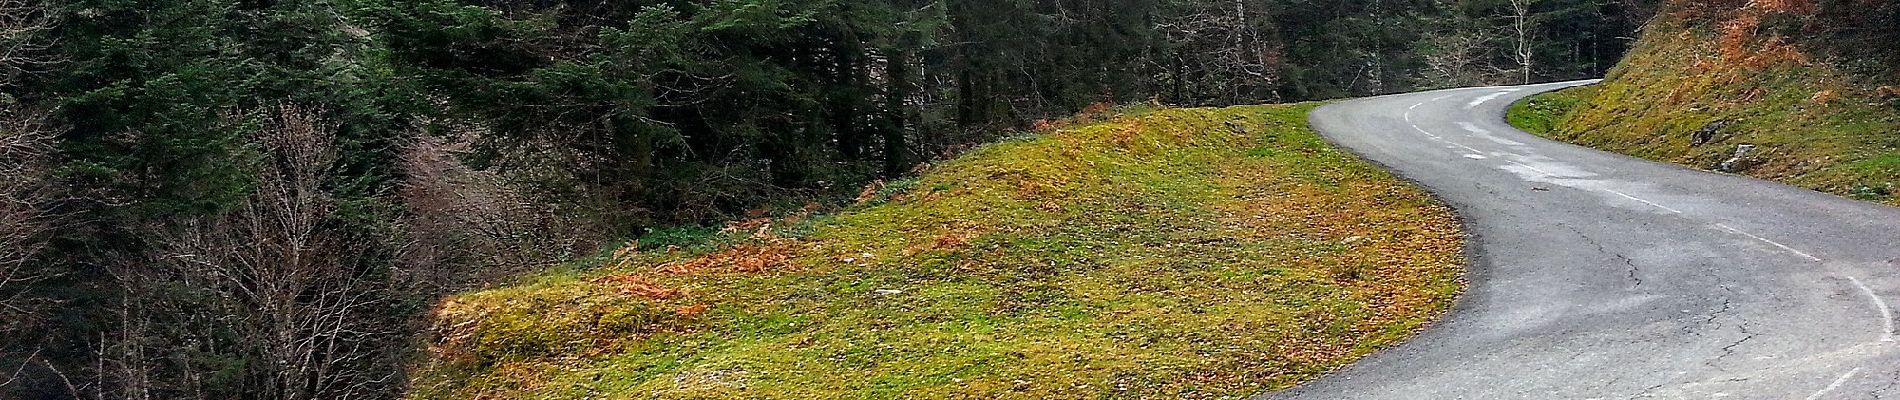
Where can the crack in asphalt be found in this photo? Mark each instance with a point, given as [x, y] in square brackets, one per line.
[1630, 272]
[1740, 325]
[1645, 392]
[1727, 305]
[1729, 350]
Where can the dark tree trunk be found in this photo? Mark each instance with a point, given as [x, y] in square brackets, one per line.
[897, 69]
[847, 98]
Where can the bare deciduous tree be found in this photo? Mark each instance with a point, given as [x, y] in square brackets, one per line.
[273, 284]
[1455, 59]
[26, 219]
[21, 23]
[27, 196]
[1223, 43]
[469, 227]
[1523, 33]
[25, 145]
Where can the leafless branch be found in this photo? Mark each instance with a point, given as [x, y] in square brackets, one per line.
[1223, 43]
[21, 24]
[26, 223]
[470, 227]
[293, 292]
[1524, 34]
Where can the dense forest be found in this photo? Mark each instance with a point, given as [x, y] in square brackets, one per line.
[252, 199]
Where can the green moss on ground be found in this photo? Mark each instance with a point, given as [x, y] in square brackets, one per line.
[1160, 255]
[1814, 125]
[1543, 113]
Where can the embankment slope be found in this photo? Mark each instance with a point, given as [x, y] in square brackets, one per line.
[1805, 88]
[1192, 253]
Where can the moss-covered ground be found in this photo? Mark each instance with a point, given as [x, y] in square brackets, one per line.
[1189, 253]
[1812, 124]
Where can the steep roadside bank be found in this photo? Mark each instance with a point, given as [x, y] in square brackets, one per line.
[1745, 91]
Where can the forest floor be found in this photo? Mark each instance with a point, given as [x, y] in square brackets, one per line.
[1182, 253]
[1693, 100]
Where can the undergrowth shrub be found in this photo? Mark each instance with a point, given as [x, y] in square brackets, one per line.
[467, 227]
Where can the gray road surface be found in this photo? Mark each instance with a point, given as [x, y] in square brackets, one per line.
[1600, 276]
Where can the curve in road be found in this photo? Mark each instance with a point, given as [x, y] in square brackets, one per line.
[1596, 275]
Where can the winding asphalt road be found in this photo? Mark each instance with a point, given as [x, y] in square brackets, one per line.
[1596, 275]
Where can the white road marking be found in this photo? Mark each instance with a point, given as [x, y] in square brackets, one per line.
[1422, 130]
[1764, 240]
[1626, 195]
[1475, 157]
[1886, 313]
[1441, 139]
[1488, 97]
[1444, 97]
[1528, 166]
[1414, 107]
[1486, 134]
[1837, 384]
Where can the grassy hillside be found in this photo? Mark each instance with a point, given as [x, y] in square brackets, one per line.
[1195, 253]
[1815, 120]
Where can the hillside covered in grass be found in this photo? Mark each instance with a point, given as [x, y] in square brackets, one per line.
[1807, 88]
[1189, 253]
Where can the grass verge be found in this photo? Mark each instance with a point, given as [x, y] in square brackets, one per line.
[1543, 113]
[1191, 253]
[1689, 96]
